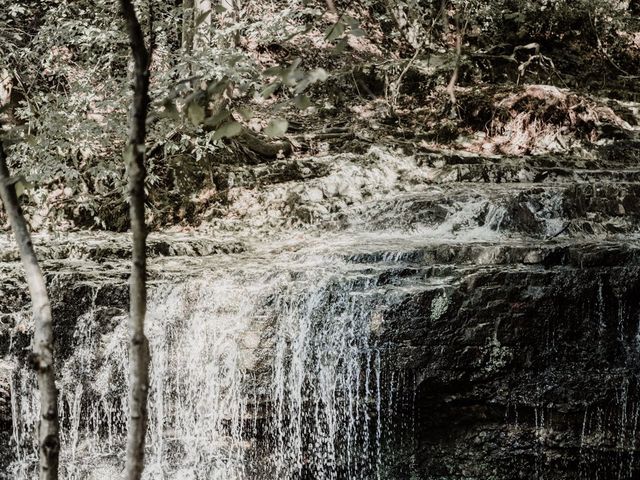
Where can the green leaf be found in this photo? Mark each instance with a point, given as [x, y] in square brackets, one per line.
[229, 129]
[295, 64]
[217, 118]
[317, 75]
[292, 75]
[270, 89]
[21, 185]
[302, 102]
[218, 87]
[245, 112]
[202, 17]
[219, 9]
[290, 79]
[276, 128]
[349, 20]
[233, 60]
[340, 46]
[170, 110]
[273, 72]
[196, 113]
[357, 32]
[334, 32]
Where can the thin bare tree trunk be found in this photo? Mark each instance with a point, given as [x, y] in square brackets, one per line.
[135, 152]
[42, 358]
[188, 25]
[202, 34]
[236, 18]
[232, 18]
[445, 20]
[451, 87]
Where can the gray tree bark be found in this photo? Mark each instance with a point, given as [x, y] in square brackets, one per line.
[138, 344]
[42, 357]
[188, 25]
[202, 36]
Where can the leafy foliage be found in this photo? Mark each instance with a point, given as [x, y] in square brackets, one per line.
[251, 74]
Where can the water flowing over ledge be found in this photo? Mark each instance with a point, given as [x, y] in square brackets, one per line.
[260, 370]
[418, 324]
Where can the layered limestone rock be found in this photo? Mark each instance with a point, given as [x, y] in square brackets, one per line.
[435, 316]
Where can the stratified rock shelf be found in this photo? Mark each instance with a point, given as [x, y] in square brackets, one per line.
[360, 316]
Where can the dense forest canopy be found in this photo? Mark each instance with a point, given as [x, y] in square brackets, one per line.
[229, 79]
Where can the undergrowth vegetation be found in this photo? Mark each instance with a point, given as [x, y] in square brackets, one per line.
[243, 83]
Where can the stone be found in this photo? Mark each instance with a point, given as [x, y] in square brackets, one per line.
[508, 351]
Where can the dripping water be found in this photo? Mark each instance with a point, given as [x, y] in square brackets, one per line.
[265, 371]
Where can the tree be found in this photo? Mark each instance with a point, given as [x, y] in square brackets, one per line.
[42, 357]
[187, 26]
[139, 357]
[202, 35]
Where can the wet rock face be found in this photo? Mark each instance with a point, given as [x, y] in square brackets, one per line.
[523, 359]
[5, 414]
[525, 373]
[502, 296]
[72, 295]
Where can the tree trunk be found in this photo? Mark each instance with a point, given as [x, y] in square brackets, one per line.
[232, 18]
[139, 346]
[202, 38]
[236, 18]
[451, 87]
[42, 357]
[188, 25]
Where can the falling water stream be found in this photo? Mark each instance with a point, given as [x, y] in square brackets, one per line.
[261, 368]
[272, 363]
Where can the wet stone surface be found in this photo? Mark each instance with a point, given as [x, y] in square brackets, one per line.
[448, 316]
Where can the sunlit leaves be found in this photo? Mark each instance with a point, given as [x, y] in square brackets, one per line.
[294, 77]
[227, 130]
[78, 76]
[276, 127]
[196, 113]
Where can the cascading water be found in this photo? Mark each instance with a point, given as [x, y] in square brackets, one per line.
[277, 362]
[324, 381]
[263, 370]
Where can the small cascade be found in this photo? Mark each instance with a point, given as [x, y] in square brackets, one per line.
[258, 371]
[301, 356]
[325, 375]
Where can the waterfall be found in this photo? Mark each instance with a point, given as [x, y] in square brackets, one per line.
[260, 370]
